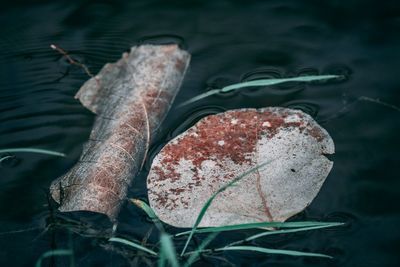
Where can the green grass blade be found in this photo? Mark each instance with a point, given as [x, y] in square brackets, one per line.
[286, 231]
[52, 253]
[32, 150]
[259, 225]
[132, 244]
[262, 82]
[5, 158]
[168, 249]
[149, 211]
[210, 200]
[199, 97]
[145, 207]
[268, 82]
[273, 251]
[161, 259]
[195, 254]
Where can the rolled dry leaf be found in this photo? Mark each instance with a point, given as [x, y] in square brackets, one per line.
[194, 165]
[131, 98]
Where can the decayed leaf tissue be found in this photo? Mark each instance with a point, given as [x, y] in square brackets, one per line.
[195, 164]
[131, 98]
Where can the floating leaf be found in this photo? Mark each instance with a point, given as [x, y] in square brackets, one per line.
[131, 98]
[196, 164]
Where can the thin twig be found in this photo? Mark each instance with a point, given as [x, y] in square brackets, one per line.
[71, 60]
[378, 101]
[20, 231]
[346, 107]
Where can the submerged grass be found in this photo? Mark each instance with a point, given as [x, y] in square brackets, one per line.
[296, 225]
[168, 249]
[5, 158]
[32, 150]
[273, 251]
[255, 83]
[194, 255]
[52, 253]
[132, 244]
[149, 211]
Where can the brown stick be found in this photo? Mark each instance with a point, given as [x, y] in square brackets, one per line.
[131, 98]
[70, 59]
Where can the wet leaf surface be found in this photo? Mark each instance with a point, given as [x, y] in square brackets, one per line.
[131, 98]
[194, 165]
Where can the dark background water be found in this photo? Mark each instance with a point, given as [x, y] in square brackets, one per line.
[229, 41]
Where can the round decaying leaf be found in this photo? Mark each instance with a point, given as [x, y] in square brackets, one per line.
[194, 165]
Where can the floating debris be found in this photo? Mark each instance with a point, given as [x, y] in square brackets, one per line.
[194, 165]
[131, 98]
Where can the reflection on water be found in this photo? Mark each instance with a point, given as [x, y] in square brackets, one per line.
[230, 41]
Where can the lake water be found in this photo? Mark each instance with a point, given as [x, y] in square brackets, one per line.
[230, 41]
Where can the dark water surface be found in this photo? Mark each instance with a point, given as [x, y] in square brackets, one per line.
[229, 41]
